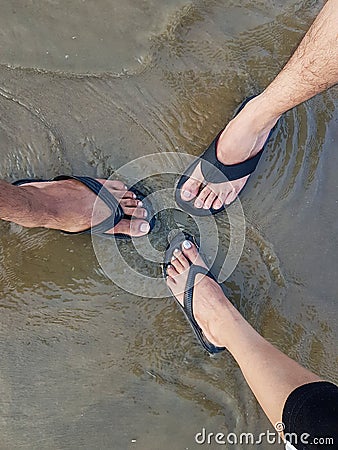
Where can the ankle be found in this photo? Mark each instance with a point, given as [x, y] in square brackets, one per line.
[264, 111]
[246, 133]
[213, 316]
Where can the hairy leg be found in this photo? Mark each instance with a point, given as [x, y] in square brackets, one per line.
[68, 205]
[24, 206]
[312, 68]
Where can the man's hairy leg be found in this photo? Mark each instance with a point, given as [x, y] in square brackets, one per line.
[23, 206]
[312, 68]
[69, 205]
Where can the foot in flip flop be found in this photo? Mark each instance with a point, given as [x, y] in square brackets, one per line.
[67, 204]
[215, 180]
[194, 288]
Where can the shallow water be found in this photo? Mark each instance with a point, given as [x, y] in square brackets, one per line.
[86, 87]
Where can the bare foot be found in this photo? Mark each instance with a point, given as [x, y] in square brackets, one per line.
[68, 205]
[209, 299]
[243, 138]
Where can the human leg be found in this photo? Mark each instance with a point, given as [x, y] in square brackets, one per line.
[271, 375]
[68, 205]
[312, 68]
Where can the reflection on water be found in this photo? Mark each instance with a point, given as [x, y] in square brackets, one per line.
[85, 364]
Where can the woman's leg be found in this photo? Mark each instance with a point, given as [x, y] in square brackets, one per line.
[271, 375]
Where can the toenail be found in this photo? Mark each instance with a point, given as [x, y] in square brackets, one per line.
[198, 204]
[187, 244]
[176, 251]
[145, 213]
[173, 258]
[134, 195]
[186, 194]
[139, 203]
[144, 227]
[205, 206]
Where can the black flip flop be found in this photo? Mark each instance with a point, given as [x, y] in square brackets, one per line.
[108, 198]
[215, 172]
[189, 290]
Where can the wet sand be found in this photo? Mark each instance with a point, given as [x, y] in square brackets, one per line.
[89, 87]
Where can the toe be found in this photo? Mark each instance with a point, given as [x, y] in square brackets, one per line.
[139, 227]
[190, 189]
[128, 194]
[171, 271]
[176, 282]
[199, 202]
[191, 253]
[170, 282]
[123, 194]
[133, 228]
[129, 203]
[231, 197]
[136, 213]
[132, 207]
[219, 201]
[209, 200]
[175, 262]
[181, 258]
[192, 186]
[113, 184]
[237, 186]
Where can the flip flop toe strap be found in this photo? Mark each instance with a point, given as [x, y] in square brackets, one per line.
[188, 307]
[209, 163]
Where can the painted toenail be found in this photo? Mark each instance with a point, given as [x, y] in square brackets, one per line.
[176, 251]
[186, 194]
[144, 227]
[198, 204]
[145, 213]
[205, 206]
[173, 258]
[134, 195]
[140, 204]
[187, 245]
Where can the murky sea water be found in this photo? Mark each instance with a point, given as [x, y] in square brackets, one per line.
[87, 86]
